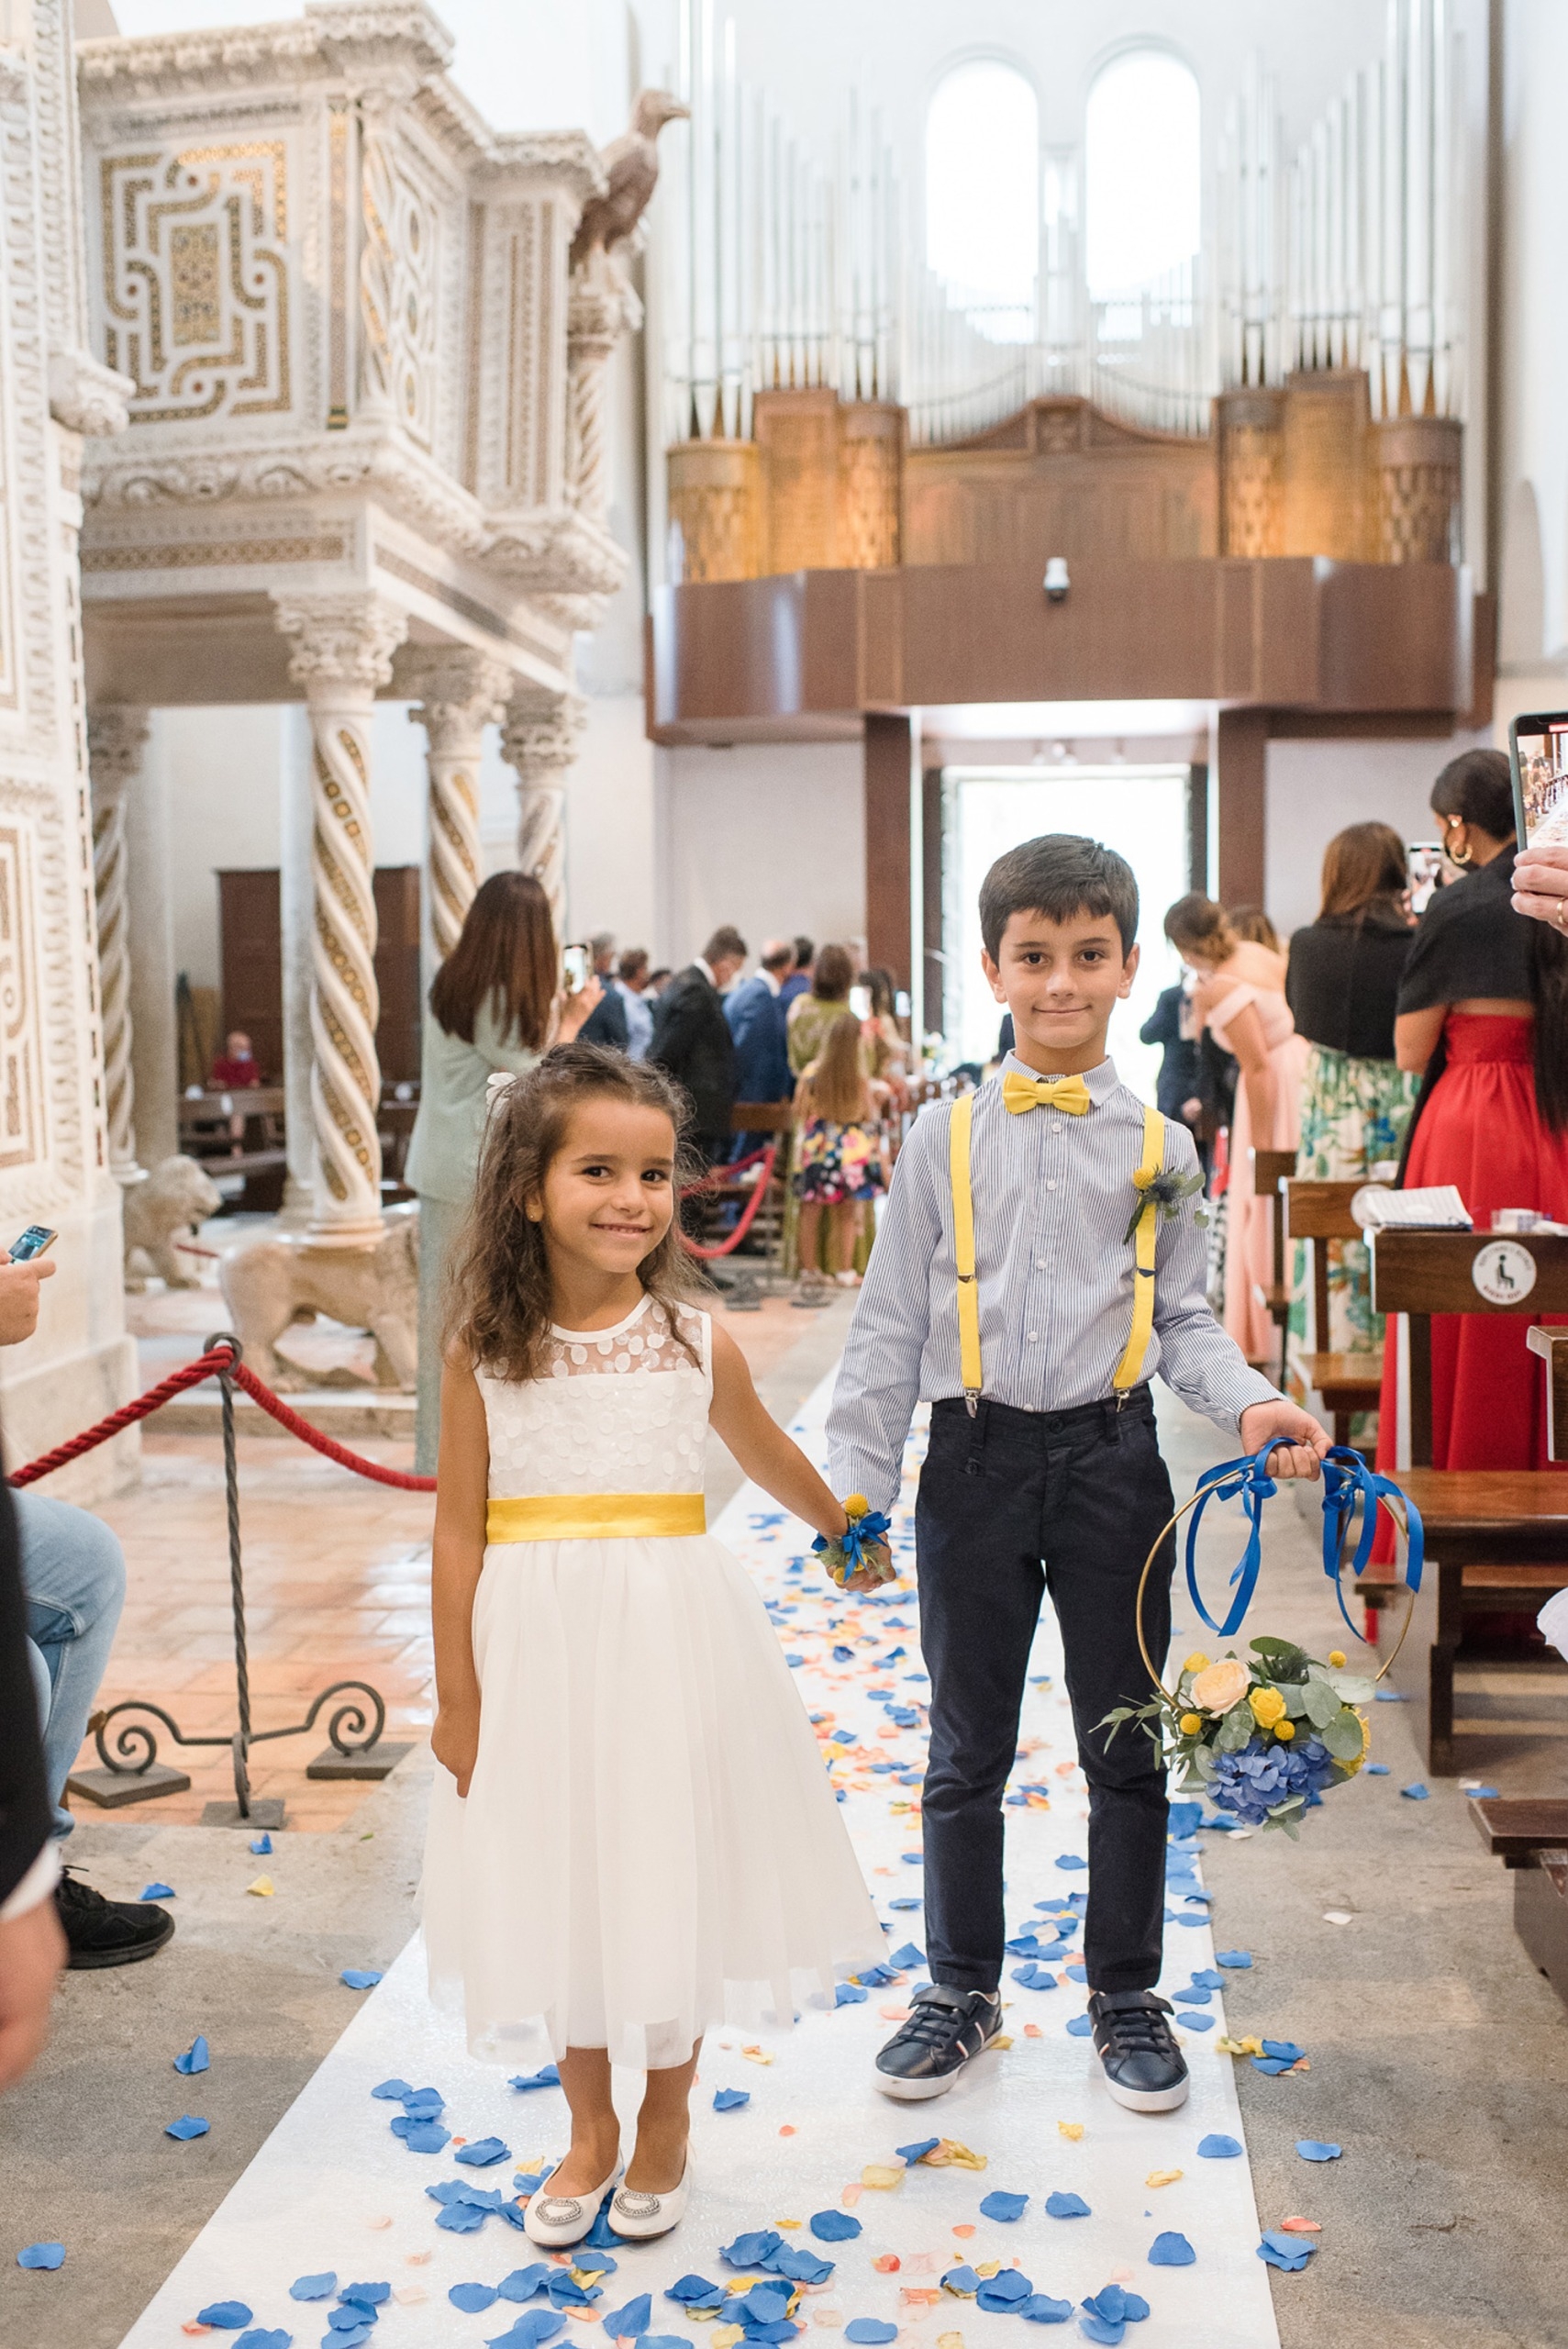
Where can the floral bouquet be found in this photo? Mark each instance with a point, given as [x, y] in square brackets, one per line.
[860, 1556]
[1262, 1738]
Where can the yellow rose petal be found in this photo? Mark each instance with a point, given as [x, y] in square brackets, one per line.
[1197, 1662]
[885, 2176]
[263, 1887]
[1268, 1707]
[1162, 2176]
[1074, 2129]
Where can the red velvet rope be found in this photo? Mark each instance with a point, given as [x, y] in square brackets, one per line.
[748, 1214]
[207, 1365]
[717, 1176]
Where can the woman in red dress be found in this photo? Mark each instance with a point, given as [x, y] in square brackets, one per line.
[1492, 1114]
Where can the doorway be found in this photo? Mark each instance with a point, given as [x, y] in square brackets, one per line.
[1143, 812]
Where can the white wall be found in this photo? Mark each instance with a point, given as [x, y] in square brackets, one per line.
[223, 770]
[1315, 789]
[771, 837]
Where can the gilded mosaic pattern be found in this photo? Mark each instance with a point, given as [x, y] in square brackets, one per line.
[196, 287]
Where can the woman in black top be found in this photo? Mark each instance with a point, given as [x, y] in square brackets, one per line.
[1342, 985]
[1493, 1108]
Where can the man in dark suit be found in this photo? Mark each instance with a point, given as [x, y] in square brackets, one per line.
[759, 1021]
[799, 978]
[691, 1041]
[606, 1023]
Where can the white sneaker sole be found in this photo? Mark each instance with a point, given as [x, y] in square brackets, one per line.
[1148, 2099]
[921, 2091]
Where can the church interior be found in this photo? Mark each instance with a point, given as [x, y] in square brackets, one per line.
[745, 471]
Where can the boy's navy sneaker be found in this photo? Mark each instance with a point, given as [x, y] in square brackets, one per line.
[1142, 2063]
[946, 2027]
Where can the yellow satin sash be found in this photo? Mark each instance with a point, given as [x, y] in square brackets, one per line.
[1145, 1241]
[593, 1517]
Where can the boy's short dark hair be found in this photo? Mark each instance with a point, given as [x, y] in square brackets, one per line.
[1059, 874]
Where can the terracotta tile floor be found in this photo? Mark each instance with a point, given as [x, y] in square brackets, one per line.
[337, 1579]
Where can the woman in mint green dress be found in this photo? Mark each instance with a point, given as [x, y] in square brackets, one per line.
[1342, 986]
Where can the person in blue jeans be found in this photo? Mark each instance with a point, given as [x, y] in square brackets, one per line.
[73, 1588]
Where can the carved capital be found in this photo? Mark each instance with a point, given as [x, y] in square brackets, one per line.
[86, 396]
[456, 694]
[540, 739]
[340, 641]
[116, 737]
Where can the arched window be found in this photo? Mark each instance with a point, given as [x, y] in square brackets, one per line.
[1142, 173]
[982, 197]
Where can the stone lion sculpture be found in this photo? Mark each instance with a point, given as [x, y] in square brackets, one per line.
[280, 1280]
[170, 1201]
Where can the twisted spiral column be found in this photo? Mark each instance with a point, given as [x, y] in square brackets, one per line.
[342, 647]
[596, 314]
[460, 693]
[116, 740]
[539, 742]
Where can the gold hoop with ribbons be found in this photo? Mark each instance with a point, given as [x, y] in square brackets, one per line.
[1400, 1520]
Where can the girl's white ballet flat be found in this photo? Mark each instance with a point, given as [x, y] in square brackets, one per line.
[642, 2216]
[553, 2221]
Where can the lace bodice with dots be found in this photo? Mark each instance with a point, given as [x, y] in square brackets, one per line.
[621, 1410]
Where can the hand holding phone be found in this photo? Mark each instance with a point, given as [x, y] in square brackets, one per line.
[21, 1270]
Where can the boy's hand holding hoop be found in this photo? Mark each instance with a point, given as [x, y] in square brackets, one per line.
[858, 1559]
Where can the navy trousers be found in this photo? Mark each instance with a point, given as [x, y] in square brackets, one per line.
[1013, 1504]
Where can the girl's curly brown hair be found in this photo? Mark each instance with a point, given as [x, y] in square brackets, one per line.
[499, 1308]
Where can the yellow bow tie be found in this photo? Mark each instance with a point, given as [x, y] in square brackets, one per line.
[1020, 1092]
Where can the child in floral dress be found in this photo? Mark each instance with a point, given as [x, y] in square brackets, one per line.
[840, 1157]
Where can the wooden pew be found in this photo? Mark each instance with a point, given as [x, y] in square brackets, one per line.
[1494, 1537]
[1271, 1170]
[1530, 1835]
[1316, 1212]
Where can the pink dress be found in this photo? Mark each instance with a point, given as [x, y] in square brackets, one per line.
[1249, 978]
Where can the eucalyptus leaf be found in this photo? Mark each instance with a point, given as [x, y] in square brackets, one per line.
[1234, 1730]
[1295, 1697]
[1351, 1688]
[1322, 1704]
[1203, 1762]
[1342, 1737]
[1282, 1659]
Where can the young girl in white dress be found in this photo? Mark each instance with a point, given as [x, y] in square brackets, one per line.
[633, 1836]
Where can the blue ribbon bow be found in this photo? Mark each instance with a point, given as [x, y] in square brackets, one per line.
[1347, 1481]
[872, 1527]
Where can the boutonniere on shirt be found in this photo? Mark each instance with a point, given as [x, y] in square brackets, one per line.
[1167, 1191]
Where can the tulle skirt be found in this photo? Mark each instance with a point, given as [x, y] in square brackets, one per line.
[649, 1844]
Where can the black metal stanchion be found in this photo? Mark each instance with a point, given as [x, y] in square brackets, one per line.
[132, 1772]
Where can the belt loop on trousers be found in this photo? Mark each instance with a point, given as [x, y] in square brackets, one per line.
[979, 1412]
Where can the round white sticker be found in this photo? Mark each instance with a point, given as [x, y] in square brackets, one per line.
[1504, 1273]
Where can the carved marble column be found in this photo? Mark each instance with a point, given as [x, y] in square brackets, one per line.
[116, 738]
[459, 694]
[342, 647]
[602, 306]
[539, 741]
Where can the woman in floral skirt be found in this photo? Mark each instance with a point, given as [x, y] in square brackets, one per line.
[840, 1155]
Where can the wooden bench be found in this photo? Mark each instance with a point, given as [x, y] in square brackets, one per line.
[1494, 1536]
[1318, 1212]
[1271, 1171]
[1530, 1835]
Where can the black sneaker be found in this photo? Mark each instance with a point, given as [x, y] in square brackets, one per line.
[925, 2054]
[1142, 2063]
[108, 1932]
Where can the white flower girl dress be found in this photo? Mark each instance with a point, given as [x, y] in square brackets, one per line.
[649, 1844]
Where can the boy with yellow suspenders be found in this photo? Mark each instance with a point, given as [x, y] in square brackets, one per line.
[1039, 1258]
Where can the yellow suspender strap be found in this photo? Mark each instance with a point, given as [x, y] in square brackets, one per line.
[963, 1247]
[1143, 1243]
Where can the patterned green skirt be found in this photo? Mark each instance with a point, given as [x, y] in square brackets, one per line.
[1353, 1114]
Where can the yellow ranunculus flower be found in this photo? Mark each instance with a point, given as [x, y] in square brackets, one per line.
[1268, 1707]
[1191, 1723]
[1221, 1685]
[1336, 1658]
[1197, 1662]
[1284, 1730]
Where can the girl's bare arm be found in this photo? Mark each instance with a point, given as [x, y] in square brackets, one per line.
[462, 1480]
[761, 1448]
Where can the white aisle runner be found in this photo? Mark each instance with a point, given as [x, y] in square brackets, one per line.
[334, 2192]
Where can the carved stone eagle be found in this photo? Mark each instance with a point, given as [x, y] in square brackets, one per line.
[631, 162]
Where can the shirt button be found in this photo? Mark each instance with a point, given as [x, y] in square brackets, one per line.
[1034, 1337]
[1042, 1263]
[1051, 1185]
